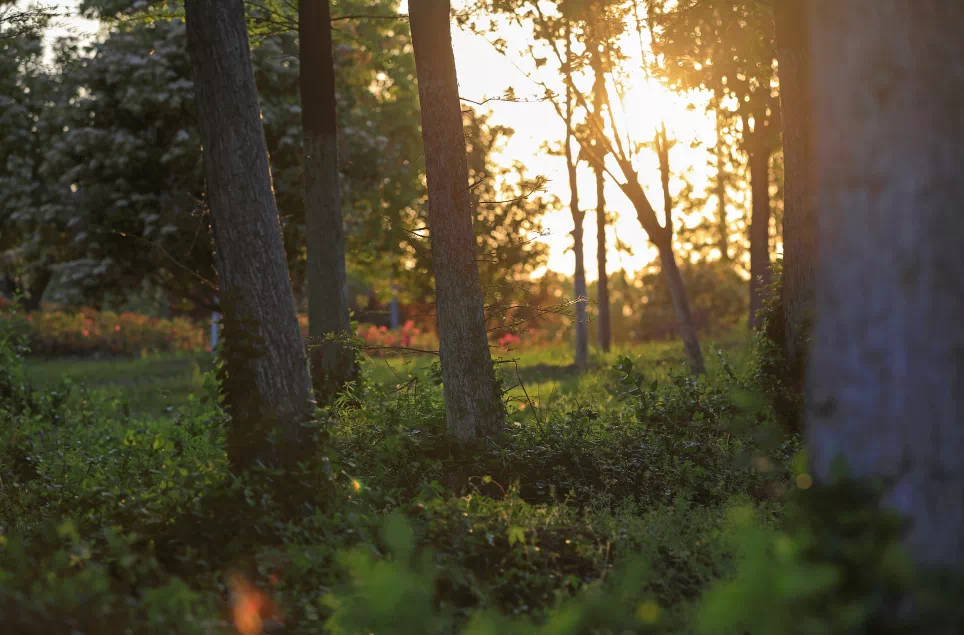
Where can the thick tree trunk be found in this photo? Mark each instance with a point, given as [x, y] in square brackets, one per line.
[759, 227]
[605, 329]
[579, 277]
[886, 389]
[799, 215]
[42, 277]
[267, 386]
[473, 406]
[333, 363]
[681, 305]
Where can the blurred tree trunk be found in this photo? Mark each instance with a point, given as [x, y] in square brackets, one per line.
[267, 385]
[799, 215]
[473, 405]
[723, 227]
[674, 279]
[578, 217]
[886, 389]
[579, 277]
[602, 285]
[333, 363]
[759, 162]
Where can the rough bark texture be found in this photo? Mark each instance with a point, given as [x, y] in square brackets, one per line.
[887, 359]
[579, 277]
[473, 406]
[799, 215]
[333, 363]
[759, 160]
[267, 385]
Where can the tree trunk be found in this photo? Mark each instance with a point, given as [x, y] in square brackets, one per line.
[759, 224]
[886, 373]
[42, 277]
[473, 405]
[579, 278]
[333, 363]
[723, 227]
[605, 329]
[799, 215]
[681, 306]
[267, 385]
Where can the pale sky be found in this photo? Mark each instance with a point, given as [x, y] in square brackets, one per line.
[485, 73]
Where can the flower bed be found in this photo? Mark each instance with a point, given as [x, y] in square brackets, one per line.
[92, 332]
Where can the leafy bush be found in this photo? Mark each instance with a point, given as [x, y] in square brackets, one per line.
[90, 332]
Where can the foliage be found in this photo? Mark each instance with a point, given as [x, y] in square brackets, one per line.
[55, 333]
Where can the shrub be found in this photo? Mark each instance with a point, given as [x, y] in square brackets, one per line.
[91, 332]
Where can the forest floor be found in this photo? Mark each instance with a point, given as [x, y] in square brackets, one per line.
[117, 506]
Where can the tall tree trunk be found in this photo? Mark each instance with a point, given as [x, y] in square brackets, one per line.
[602, 285]
[674, 279]
[681, 305]
[799, 215]
[267, 385]
[473, 406]
[605, 328]
[723, 227]
[579, 277]
[759, 158]
[886, 389]
[333, 363]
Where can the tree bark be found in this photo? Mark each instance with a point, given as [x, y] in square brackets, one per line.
[267, 386]
[681, 306]
[886, 389]
[799, 215]
[579, 277]
[723, 227]
[759, 159]
[602, 291]
[333, 362]
[473, 405]
[604, 327]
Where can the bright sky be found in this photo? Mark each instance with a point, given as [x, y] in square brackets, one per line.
[486, 73]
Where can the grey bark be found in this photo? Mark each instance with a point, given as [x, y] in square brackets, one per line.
[886, 375]
[473, 406]
[579, 277]
[604, 326]
[799, 214]
[759, 160]
[333, 362]
[267, 387]
[674, 279]
[578, 217]
[723, 227]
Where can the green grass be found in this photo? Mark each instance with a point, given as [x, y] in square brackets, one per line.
[149, 385]
[156, 384]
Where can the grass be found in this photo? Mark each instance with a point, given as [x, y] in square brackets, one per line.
[155, 385]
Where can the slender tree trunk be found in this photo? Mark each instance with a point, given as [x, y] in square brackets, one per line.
[723, 227]
[886, 378]
[604, 327]
[473, 405]
[799, 214]
[579, 278]
[267, 385]
[333, 363]
[759, 225]
[681, 306]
